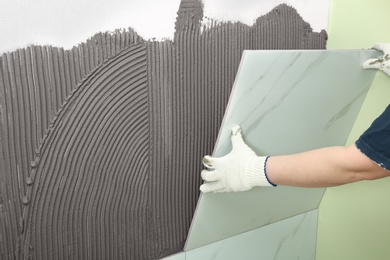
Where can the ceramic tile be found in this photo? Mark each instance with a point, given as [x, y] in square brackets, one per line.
[178, 256]
[285, 102]
[292, 238]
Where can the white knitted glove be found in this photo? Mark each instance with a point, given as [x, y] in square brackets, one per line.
[239, 170]
[382, 63]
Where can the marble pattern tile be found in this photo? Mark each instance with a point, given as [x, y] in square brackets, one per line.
[292, 238]
[285, 102]
[178, 256]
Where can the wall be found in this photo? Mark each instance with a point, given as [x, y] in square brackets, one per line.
[353, 216]
[67, 23]
[354, 219]
[101, 144]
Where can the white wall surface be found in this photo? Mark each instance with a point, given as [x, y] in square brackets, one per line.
[313, 11]
[65, 23]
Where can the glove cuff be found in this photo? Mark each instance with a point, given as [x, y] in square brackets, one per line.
[256, 171]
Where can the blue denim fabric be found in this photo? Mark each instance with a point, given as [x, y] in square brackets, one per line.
[375, 141]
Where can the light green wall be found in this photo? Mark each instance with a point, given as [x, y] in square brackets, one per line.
[354, 219]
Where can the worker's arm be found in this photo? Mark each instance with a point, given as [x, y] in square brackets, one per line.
[325, 167]
[242, 169]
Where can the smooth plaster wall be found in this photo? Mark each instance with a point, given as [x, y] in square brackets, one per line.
[66, 23]
[354, 219]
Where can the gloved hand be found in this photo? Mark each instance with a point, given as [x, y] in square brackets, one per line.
[382, 63]
[239, 170]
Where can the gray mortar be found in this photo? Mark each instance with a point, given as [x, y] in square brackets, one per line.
[101, 145]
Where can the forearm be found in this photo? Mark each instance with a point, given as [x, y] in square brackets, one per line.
[325, 167]
[242, 169]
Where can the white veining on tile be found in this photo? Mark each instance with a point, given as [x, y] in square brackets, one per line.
[292, 238]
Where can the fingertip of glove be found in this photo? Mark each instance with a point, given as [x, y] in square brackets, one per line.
[203, 174]
[207, 161]
[203, 189]
[236, 130]
[370, 63]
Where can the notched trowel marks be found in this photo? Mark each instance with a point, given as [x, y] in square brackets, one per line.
[101, 144]
[83, 169]
[36, 84]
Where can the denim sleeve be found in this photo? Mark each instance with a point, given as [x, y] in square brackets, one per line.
[375, 141]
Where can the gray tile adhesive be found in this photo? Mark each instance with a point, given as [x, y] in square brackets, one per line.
[101, 145]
